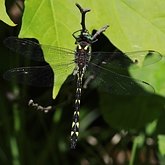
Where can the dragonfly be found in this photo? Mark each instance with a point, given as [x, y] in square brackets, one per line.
[99, 69]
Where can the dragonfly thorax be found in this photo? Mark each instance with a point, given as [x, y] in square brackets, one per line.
[83, 53]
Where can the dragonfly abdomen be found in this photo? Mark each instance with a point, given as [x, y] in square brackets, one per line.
[75, 122]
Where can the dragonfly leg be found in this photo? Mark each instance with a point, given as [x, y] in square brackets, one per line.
[83, 12]
[103, 29]
[75, 71]
[39, 107]
[88, 80]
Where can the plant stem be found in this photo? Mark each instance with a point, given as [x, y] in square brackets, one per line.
[134, 148]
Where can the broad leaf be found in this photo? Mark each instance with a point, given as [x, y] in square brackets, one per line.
[131, 112]
[3, 15]
[133, 25]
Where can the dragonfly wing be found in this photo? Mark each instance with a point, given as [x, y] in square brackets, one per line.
[26, 47]
[120, 60]
[30, 48]
[119, 84]
[40, 76]
[111, 70]
[144, 58]
[60, 59]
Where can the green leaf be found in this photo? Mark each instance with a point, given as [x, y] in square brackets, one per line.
[130, 112]
[134, 25]
[152, 74]
[161, 144]
[52, 22]
[151, 127]
[137, 25]
[3, 15]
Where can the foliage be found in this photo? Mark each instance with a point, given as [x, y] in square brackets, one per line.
[133, 26]
[4, 16]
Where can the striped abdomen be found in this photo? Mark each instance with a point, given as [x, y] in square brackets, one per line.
[75, 122]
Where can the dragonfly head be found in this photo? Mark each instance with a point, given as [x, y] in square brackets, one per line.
[83, 47]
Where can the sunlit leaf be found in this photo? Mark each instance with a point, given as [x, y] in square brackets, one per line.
[138, 25]
[3, 15]
[133, 25]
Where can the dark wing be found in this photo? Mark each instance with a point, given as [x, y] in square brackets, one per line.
[61, 59]
[30, 48]
[120, 60]
[41, 76]
[107, 66]
[144, 58]
[111, 71]
[118, 84]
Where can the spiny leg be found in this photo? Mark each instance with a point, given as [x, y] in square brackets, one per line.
[99, 32]
[88, 80]
[39, 107]
[83, 12]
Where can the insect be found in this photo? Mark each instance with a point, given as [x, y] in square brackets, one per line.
[82, 60]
